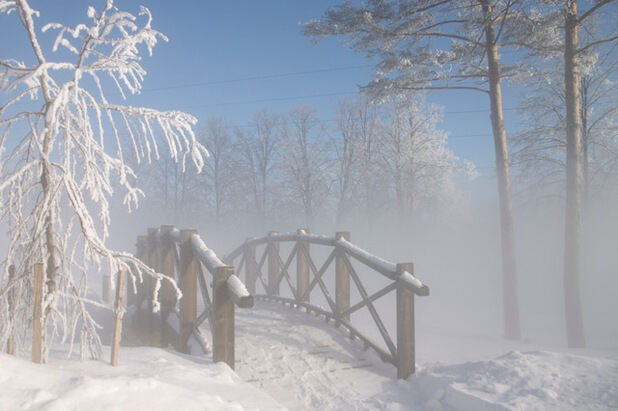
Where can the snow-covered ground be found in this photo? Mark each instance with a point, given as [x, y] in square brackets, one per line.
[145, 379]
[286, 358]
[305, 364]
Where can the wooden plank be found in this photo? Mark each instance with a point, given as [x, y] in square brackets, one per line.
[154, 263]
[208, 307]
[372, 310]
[188, 303]
[369, 299]
[284, 270]
[318, 277]
[167, 294]
[405, 326]
[37, 315]
[141, 286]
[223, 338]
[342, 280]
[238, 292]
[302, 267]
[273, 265]
[250, 275]
[118, 320]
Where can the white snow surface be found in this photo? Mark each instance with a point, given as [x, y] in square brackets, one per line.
[145, 379]
[306, 364]
[286, 358]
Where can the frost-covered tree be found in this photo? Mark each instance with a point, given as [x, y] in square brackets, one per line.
[541, 145]
[555, 28]
[62, 157]
[414, 156]
[219, 172]
[346, 148]
[440, 45]
[305, 155]
[259, 160]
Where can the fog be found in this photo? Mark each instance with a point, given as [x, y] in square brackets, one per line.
[457, 254]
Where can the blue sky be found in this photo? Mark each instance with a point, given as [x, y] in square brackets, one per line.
[217, 48]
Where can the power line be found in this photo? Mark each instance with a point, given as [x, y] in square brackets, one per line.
[261, 77]
[266, 100]
[308, 96]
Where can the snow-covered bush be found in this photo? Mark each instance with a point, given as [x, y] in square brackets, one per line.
[61, 156]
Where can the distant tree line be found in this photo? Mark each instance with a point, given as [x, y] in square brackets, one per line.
[372, 161]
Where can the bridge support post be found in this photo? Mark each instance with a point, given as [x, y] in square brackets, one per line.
[140, 287]
[273, 265]
[342, 279]
[223, 336]
[405, 326]
[250, 277]
[168, 297]
[153, 262]
[188, 303]
[302, 267]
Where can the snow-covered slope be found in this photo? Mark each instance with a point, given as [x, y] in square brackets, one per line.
[146, 379]
[286, 358]
[305, 364]
[534, 380]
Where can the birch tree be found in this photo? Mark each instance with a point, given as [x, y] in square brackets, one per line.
[438, 45]
[62, 158]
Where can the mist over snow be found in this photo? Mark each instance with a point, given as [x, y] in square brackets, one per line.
[476, 141]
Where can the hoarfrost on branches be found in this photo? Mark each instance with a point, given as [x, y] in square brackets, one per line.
[56, 171]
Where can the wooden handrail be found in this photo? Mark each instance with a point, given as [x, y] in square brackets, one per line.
[310, 277]
[180, 255]
[384, 267]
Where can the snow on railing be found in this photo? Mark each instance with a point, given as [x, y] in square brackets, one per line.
[183, 258]
[379, 264]
[207, 256]
[340, 309]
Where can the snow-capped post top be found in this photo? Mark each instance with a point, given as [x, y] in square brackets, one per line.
[239, 293]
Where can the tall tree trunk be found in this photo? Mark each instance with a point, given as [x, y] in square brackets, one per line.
[584, 85]
[573, 309]
[509, 271]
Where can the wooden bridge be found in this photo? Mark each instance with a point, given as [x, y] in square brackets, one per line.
[183, 256]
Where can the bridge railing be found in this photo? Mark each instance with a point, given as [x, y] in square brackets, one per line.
[400, 351]
[182, 256]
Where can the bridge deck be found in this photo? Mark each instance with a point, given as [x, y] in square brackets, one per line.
[306, 364]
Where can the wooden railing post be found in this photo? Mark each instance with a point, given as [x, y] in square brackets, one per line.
[141, 287]
[302, 267]
[153, 262]
[405, 326]
[10, 343]
[250, 265]
[37, 320]
[273, 265]
[168, 296]
[342, 281]
[223, 335]
[118, 317]
[188, 303]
